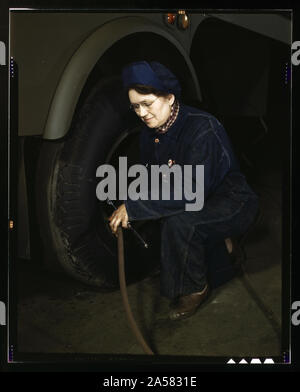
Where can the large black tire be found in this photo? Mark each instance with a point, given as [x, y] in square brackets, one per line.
[71, 218]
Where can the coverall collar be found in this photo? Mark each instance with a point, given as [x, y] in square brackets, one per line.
[174, 130]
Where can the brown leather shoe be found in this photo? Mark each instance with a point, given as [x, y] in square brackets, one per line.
[188, 304]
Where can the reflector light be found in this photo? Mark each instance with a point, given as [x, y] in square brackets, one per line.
[183, 20]
[170, 18]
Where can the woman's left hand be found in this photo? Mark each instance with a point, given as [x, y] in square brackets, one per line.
[118, 217]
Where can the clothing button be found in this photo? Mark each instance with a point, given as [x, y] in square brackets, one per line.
[156, 140]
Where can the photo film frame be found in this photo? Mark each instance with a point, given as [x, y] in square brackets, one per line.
[15, 117]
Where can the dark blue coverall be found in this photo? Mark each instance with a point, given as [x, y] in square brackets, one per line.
[193, 251]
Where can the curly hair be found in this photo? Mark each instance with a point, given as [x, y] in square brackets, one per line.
[143, 89]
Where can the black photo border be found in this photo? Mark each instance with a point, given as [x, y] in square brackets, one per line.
[9, 161]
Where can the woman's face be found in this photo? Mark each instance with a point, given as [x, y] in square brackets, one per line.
[153, 110]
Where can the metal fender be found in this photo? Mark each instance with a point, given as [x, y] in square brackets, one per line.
[83, 60]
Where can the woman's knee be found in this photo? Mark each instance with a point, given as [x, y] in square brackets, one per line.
[176, 224]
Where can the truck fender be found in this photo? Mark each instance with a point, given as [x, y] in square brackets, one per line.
[84, 59]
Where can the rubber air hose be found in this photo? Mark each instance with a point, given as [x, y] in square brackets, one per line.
[123, 288]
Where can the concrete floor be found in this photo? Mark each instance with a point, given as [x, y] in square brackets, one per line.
[59, 315]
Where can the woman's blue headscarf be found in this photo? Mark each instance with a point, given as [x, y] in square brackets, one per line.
[151, 74]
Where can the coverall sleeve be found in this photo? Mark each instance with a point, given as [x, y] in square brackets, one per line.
[204, 149]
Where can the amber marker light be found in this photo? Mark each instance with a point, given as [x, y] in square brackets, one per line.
[183, 20]
[11, 224]
[170, 19]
